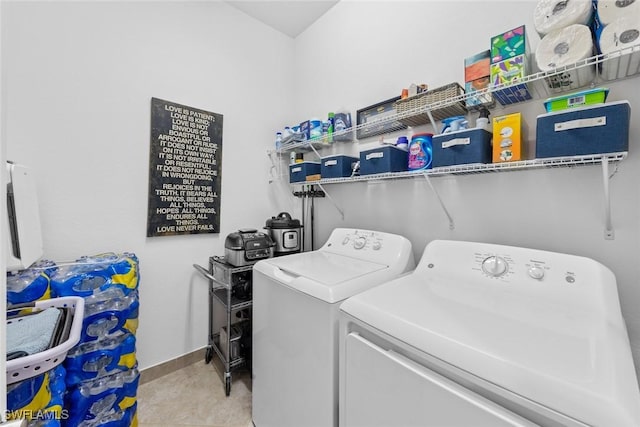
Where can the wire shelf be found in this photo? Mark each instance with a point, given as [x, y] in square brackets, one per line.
[539, 85]
[477, 168]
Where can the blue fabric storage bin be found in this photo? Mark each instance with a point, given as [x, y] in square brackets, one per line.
[383, 159]
[595, 129]
[339, 166]
[461, 147]
[298, 172]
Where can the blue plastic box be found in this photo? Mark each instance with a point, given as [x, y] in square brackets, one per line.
[461, 147]
[383, 159]
[339, 166]
[299, 172]
[603, 128]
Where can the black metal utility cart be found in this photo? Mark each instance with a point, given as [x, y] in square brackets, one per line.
[230, 339]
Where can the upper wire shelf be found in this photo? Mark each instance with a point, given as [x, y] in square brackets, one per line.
[540, 85]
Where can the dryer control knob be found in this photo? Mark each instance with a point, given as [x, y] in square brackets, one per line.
[345, 240]
[495, 266]
[359, 242]
[536, 273]
[377, 245]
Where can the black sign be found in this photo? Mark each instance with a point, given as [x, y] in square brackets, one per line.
[184, 170]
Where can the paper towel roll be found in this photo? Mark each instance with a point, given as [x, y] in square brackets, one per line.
[610, 10]
[550, 15]
[566, 47]
[622, 34]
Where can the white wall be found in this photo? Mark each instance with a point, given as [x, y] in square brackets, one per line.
[361, 53]
[78, 83]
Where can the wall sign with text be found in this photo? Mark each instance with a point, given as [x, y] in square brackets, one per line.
[184, 170]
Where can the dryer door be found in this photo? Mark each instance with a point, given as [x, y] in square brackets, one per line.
[383, 388]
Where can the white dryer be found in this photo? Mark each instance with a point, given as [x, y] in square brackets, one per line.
[488, 335]
[295, 322]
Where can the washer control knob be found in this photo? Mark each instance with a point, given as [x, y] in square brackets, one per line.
[377, 245]
[495, 266]
[359, 242]
[345, 240]
[536, 273]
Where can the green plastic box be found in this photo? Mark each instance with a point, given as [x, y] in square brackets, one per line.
[578, 99]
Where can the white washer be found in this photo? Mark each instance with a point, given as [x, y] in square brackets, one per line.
[295, 322]
[488, 335]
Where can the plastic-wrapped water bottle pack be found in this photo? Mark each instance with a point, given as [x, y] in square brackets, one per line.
[98, 384]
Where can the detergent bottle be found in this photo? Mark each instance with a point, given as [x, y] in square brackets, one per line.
[420, 151]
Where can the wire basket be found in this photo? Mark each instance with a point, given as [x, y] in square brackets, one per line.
[26, 367]
[420, 102]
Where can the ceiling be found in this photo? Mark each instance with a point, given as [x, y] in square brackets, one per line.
[288, 17]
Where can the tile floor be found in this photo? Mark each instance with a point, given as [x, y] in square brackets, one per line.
[194, 397]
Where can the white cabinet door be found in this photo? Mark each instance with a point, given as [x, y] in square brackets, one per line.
[384, 389]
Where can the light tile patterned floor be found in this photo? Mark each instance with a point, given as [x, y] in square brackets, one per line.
[194, 397]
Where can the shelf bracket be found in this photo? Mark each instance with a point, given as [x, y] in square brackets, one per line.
[332, 200]
[433, 122]
[314, 150]
[444, 208]
[609, 234]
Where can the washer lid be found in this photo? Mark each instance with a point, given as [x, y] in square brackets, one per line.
[564, 358]
[325, 275]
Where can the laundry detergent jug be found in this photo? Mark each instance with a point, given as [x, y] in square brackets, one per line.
[420, 151]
